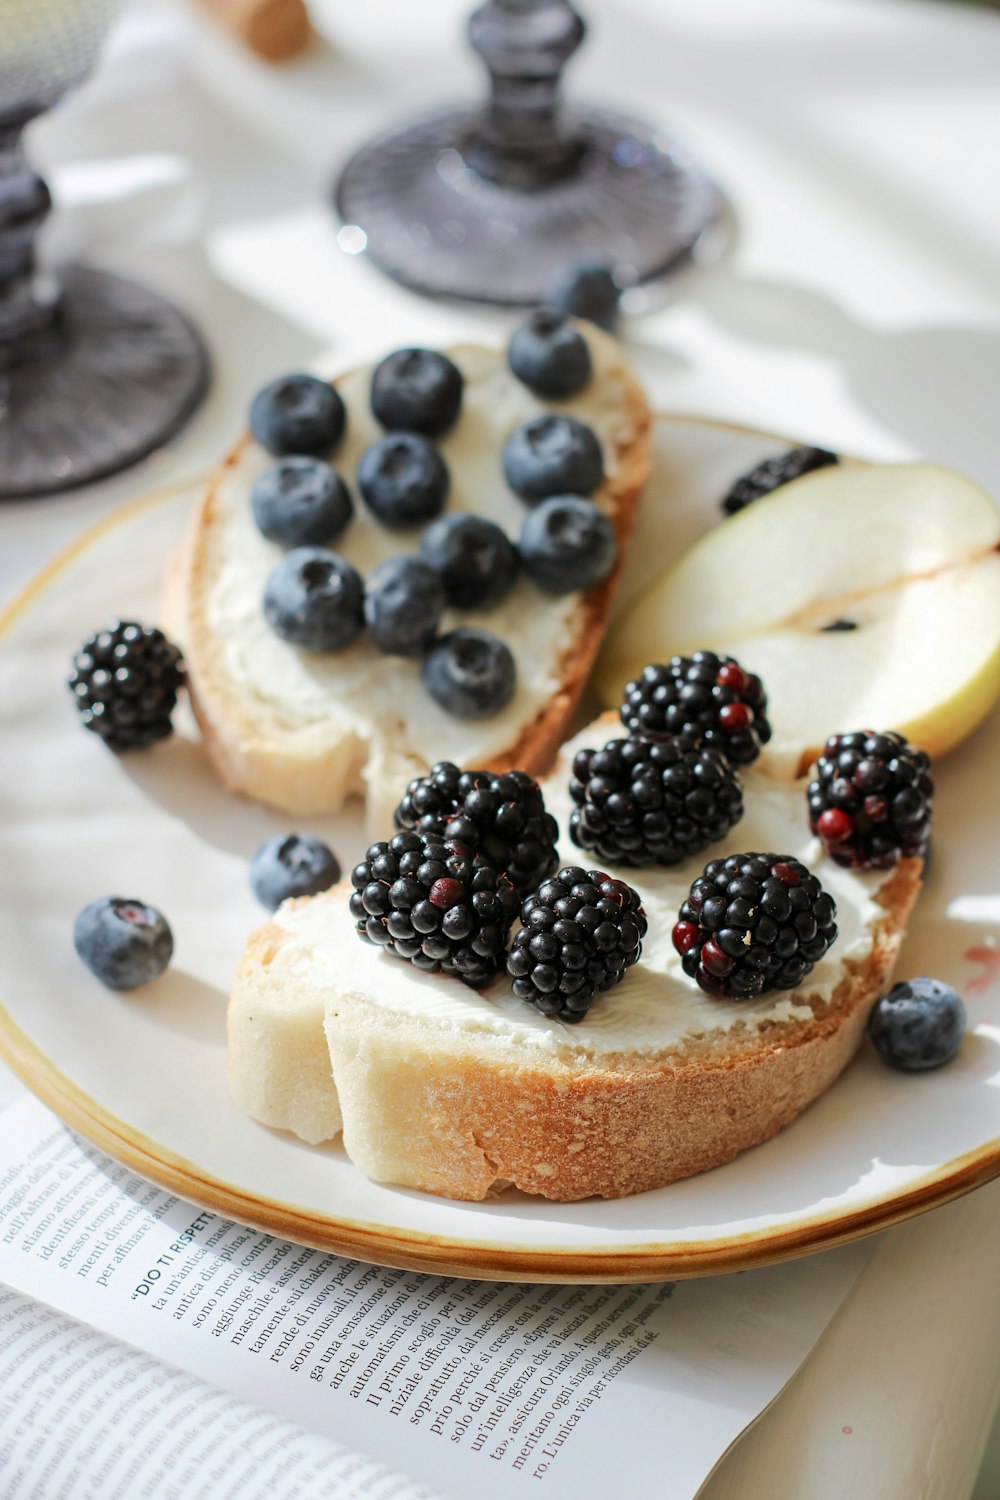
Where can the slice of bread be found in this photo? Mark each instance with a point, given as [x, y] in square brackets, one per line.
[463, 1093]
[303, 731]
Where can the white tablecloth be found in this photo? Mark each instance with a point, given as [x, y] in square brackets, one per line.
[859, 306]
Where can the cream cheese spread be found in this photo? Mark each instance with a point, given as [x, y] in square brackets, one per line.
[657, 1005]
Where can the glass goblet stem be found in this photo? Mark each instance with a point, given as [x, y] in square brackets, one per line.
[523, 140]
[27, 304]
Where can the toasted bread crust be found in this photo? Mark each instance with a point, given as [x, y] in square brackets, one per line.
[575, 1130]
[454, 1114]
[310, 774]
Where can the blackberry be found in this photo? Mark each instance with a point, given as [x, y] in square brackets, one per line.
[125, 681]
[772, 473]
[643, 803]
[754, 922]
[708, 700]
[502, 818]
[434, 902]
[580, 932]
[871, 799]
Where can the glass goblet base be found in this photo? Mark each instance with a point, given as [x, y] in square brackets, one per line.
[416, 201]
[117, 376]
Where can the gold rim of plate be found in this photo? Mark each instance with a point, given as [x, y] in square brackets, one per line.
[452, 1255]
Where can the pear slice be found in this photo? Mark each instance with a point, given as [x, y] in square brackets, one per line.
[864, 596]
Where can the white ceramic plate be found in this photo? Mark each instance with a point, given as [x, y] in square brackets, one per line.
[143, 1076]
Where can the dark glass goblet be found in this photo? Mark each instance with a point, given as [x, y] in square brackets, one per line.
[493, 204]
[95, 371]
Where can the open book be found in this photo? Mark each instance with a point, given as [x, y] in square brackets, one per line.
[148, 1348]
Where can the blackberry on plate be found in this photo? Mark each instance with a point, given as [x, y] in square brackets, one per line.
[589, 290]
[298, 414]
[124, 942]
[919, 1024]
[125, 681]
[566, 544]
[643, 803]
[403, 480]
[417, 390]
[708, 699]
[754, 922]
[434, 902]
[553, 454]
[580, 931]
[502, 817]
[404, 602]
[772, 473]
[470, 673]
[548, 355]
[476, 559]
[871, 799]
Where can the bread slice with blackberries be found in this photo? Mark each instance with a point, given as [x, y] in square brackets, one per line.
[312, 680]
[687, 1057]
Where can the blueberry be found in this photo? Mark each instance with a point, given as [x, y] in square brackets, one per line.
[315, 600]
[292, 864]
[588, 290]
[417, 390]
[301, 502]
[548, 355]
[918, 1024]
[470, 673]
[566, 544]
[552, 455]
[298, 414]
[404, 602]
[476, 559]
[403, 480]
[124, 942]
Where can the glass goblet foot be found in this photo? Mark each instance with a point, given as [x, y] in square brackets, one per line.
[113, 378]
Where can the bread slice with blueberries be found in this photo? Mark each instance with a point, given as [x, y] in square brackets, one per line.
[414, 562]
[700, 947]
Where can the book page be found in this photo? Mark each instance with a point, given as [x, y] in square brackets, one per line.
[83, 1417]
[472, 1387]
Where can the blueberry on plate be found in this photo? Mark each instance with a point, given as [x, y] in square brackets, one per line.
[918, 1024]
[549, 355]
[552, 455]
[292, 864]
[417, 390]
[470, 673]
[301, 502]
[403, 480]
[475, 558]
[124, 942]
[315, 600]
[298, 414]
[588, 290]
[404, 602]
[567, 543]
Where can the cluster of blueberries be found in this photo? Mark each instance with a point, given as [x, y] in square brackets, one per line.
[317, 601]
